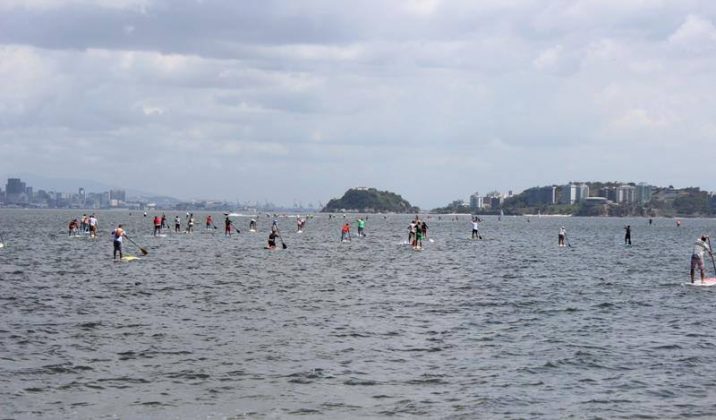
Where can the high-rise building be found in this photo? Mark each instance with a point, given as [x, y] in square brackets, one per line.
[15, 191]
[643, 193]
[119, 195]
[574, 192]
[610, 193]
[494, 201]
[476, 202]
[82, 196]
[544, 195]
[625, 194]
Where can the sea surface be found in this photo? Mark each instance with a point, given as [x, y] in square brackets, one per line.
[210, 327]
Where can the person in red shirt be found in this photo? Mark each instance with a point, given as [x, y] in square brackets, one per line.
[157, 225]
[209, 222]
[346, 232]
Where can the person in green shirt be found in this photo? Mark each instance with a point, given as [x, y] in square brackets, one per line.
[361, 227]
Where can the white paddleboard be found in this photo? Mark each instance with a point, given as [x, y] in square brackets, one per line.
[128, 258]
[708, 282]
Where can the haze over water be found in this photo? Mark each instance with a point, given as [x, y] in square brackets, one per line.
[211, 327]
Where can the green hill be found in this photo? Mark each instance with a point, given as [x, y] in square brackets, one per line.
[369, 200]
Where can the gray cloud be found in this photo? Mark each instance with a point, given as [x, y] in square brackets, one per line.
[299, 100]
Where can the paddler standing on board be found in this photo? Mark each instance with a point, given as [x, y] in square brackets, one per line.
[697, 256]
[361, 227]
[92, 226]
[562, 236]
[117, 236]
[346, 233]
[227, 226]
[157, 225]
[272, 239]
[476, 228]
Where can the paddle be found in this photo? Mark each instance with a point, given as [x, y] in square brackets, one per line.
[566, 239]
[144, 251]
[283, 244]
[711, 254]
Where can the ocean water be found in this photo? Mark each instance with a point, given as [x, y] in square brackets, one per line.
[211, 327]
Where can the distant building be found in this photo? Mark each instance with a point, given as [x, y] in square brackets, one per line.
[494, 201]
[15, 191]
[118, 195]
[82, 196]
[574, 192]
[610, 193]
[643, 193]
[539, 196]
[476, 202]
[625, 194]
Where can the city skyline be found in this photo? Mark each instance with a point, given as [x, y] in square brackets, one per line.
[279, 102]
[20, 193]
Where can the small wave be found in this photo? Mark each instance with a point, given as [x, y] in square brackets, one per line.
[126, 379]
[363, 382]
[305, 411]
[426, 381]
[667, 347]
[420, 349]
[188, 374]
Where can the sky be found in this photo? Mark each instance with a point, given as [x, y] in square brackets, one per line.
[297, 101]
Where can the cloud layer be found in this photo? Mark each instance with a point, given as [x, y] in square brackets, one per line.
[287, 101]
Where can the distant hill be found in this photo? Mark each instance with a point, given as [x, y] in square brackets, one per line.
[369, 200]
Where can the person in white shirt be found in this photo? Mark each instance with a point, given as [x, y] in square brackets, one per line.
[697, 256]
[562, 235]
[476, 228]
[93, 226]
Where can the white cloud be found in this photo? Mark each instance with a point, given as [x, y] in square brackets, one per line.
[421, 7]
[695, 34]
[548, 58]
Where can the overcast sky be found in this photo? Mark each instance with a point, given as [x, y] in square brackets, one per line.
[300, 100]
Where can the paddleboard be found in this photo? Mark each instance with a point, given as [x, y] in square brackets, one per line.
[417, 248]
[129, 258]
[252, 230]
[345, 240]
[2, 245]
[299, 231]
[707, 282]
[271, 248]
